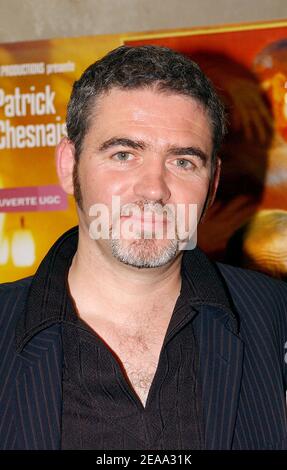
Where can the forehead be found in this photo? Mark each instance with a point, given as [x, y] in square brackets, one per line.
[150, 112]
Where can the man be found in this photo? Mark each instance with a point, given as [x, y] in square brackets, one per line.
[133, 341]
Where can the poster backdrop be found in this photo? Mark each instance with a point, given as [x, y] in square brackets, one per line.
[247, 63]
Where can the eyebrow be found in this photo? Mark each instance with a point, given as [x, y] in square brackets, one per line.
[141, 145]
[193, 151]
[124, 142]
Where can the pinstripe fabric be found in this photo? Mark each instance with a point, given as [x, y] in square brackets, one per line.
[38, 392]
[30, 392]
[221, 354]
[262, 303]
[243, 373]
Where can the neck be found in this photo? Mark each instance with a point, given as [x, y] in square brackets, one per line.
[101, 284]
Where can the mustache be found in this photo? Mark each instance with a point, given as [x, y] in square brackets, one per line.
[147, 207]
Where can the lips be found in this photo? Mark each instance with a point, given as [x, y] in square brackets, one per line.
[147, 218]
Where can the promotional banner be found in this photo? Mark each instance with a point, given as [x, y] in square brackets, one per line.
[247, 63]
[35, 84]
[247, 225]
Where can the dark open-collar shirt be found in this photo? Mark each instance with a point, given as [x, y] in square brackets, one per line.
[100, 409]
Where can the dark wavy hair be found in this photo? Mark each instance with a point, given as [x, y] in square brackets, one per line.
[141, 67]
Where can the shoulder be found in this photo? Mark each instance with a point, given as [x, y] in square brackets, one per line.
[255, 294]
[12, 288]
[13, 297]
[260, 303]
[251, 283]
[19, 284]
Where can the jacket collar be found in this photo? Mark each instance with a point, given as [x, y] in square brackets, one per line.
[208, 286]
[204, 286]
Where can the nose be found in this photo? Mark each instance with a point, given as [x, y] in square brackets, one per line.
[151, 184]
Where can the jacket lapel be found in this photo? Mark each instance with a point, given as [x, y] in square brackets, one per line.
[220, 364]
[39, 387]
[38, 392]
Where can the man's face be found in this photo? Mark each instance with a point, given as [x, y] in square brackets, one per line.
[150, 149]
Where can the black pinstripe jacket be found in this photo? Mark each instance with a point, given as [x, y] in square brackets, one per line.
[241, 328]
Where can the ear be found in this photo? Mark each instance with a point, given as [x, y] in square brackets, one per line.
[65, 160]
[212, 189]
[216, 178]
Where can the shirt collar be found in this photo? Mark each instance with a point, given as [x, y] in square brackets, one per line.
[49, 302]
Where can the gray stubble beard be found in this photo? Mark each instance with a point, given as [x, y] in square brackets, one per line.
[144, 253]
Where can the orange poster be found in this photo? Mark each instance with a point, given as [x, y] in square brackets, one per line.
[247, 226]
[35, 83]
[248, 64]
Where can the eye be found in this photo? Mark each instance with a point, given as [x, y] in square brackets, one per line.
[184, 164]
[122, 157]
